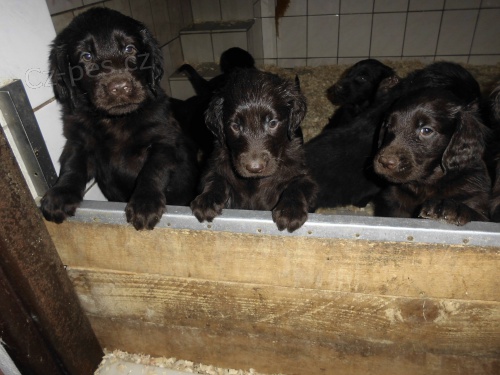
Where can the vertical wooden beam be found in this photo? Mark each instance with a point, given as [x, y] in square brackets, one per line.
[25, 345]
[35, 278]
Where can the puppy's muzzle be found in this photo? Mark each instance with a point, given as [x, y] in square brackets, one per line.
[256, 163]
[119, 87]
[389, 162]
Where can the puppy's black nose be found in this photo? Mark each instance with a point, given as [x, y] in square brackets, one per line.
[389, 162]
[119, 87]
[256, 165]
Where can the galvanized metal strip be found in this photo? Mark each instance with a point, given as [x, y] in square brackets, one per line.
[319, 226]
[22, 123]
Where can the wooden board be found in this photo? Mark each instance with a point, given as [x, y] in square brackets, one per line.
[284, 355]
[358, 266]
[290, 305]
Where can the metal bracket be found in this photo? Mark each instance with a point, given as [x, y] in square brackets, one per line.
[22, 125]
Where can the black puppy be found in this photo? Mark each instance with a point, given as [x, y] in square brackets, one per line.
[356, 90]
[340, 158]
[258, 161]
[106, 69]
[231, 59]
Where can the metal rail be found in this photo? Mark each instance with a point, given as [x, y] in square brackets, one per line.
[318, 225]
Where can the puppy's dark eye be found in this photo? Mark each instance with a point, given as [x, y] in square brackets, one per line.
[86, 56]
[273, 124]
[130, 49]
[235, 127]
[426, 131]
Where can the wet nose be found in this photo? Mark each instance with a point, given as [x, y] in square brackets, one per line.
[119, 87]
[257, 164]
[389, 162]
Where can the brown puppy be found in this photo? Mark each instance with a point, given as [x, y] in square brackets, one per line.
[258, 161]
[431, 150]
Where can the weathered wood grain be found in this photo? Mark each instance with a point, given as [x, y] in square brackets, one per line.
[295, 305]
[279, 353]
[358, 266]
[287, 330]
[361, 321]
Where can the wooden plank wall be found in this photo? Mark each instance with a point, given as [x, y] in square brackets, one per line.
[292, 305]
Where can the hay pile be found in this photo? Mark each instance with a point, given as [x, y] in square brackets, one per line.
[120, 362]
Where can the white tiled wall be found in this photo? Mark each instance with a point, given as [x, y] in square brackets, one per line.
[420, 40]
[314, 32]
[340, 31]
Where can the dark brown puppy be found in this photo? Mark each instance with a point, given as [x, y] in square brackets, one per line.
[258, 161]
[431, 150]
[106, 70]
[494, 101]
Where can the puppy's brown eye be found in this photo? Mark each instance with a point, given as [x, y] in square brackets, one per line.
[235, 127]
[86, 56]
[130, 49]
[273, 124]
[426, 131]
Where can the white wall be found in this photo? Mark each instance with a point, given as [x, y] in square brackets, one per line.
[26, 31]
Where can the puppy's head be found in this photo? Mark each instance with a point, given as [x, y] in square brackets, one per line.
[359, 83]
[256, 117]
[446, 76]
[235, 57]
[105, 60]
[428, 134]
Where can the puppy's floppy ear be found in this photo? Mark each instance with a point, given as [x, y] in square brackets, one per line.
[381, 133]
[155, 59]
[467, 143]
[214, 117]
[297, 105]
[64, 88]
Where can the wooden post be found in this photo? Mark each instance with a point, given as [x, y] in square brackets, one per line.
[41, 322]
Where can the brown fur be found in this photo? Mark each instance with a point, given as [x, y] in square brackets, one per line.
[258, 161]
[106, 69]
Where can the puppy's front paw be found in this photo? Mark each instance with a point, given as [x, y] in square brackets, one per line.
[290, 215]
[59, 203]
[207, 206]
[446, 210]
[145, 211]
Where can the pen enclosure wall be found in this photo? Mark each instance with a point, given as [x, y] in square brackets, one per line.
[343, 295]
